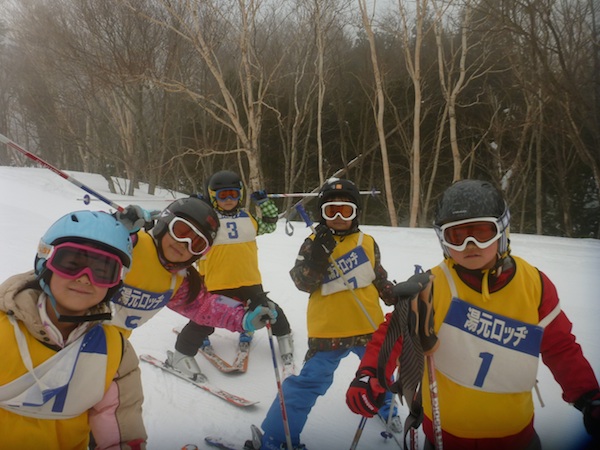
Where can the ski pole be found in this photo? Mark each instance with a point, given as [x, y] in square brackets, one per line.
[433, 393]
[309, 223]
[435, 403]
[388, 423]
[414, 439]
[60, 173]
[358, 434]
[286, 425]
[314, 194]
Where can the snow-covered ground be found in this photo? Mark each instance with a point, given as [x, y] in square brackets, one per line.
[176, 413]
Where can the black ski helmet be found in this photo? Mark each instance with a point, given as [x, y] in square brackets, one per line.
[224, 179]
[469, 199]
[196, 211]
[335, 187]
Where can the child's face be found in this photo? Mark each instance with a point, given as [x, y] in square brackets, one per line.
[475, 258]
[175, 251]
[74, 297]
[228, 204]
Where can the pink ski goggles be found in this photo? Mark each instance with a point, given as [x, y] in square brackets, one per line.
[71, 261]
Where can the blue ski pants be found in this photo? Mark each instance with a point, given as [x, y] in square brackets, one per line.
[300, 393]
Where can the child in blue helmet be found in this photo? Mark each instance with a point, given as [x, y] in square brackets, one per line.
[65, 372]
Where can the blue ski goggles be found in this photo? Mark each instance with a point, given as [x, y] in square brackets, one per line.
[228, 193]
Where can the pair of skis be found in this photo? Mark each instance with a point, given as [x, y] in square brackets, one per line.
[240, 365]
[232, 399]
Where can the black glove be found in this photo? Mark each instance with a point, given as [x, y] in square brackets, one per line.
[323, 243]
[259, 299]
[259, 196]
[135, 217]
[200, 196]
[406, 290]
[421, 310]
[589, 405]
[365, 395]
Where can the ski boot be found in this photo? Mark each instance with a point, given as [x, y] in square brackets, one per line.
[245, 340]
[286, 350]
[271, 445]
[185, 364]
[256, 441]
[393, 424]
[207, 347]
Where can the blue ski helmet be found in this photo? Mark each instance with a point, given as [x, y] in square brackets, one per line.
[96, 227]
[470, 199]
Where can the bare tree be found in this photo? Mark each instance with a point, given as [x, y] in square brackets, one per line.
[378, 111]
[229, 38]
[411, 33]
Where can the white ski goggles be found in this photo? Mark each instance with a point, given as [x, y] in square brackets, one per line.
[184, 231]
[345, 210]
[482, 231]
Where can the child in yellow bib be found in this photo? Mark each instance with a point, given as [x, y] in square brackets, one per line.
[494, 316]
[65, 372]
[343, 309]
[231, 267]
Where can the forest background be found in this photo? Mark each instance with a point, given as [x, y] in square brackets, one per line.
[402, 97]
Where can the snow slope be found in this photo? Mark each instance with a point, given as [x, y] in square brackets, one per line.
[177, 413]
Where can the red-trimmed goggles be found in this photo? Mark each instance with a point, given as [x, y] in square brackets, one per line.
[345, 210]
[483, 232]
[228, 193]
[70, 260]
[184, 231]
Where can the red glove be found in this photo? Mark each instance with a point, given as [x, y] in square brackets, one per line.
[365, 395]
[136, 444]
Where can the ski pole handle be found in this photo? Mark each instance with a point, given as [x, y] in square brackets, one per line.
[60, 173]
[302, 212]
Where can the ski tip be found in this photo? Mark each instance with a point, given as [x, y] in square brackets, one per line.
[218, 442]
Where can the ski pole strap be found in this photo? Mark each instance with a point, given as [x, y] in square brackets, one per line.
[403, 323]
[289, 228]
[394, 332]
